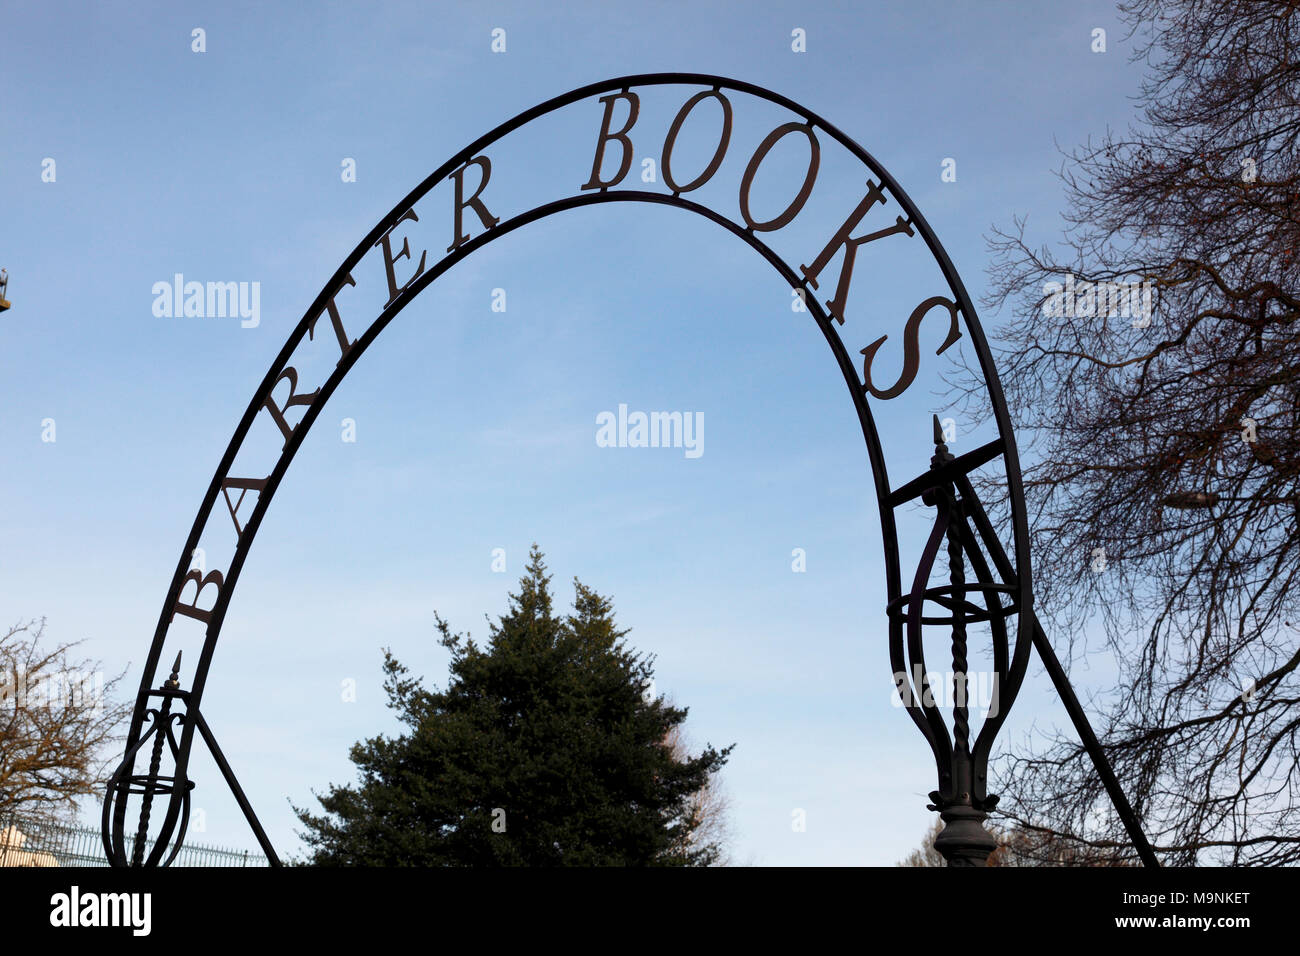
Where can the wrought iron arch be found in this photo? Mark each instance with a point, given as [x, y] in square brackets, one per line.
[962, 794]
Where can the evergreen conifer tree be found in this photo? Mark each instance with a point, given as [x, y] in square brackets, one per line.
[545, 749]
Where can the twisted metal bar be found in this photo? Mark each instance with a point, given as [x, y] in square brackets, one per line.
[957, 577]
[146, 800]
[155, 762]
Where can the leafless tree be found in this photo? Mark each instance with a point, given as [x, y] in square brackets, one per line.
[57, 720]
[1020, 846]
[1162, 446]
[927, 855]
[709, 808]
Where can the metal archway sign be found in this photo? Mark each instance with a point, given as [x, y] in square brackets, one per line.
[167, 717]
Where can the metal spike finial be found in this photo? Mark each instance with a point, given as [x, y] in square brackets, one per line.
[938, 431]
[173, 681]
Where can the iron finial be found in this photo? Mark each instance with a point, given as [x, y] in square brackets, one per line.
[173, 682]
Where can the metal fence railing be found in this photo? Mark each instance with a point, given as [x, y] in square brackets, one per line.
[52, 844]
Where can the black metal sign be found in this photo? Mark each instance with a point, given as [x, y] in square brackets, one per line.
[399, 258]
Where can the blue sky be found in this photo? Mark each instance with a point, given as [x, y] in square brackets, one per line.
[475, 429]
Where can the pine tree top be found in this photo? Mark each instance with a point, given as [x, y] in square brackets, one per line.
[545, 748]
